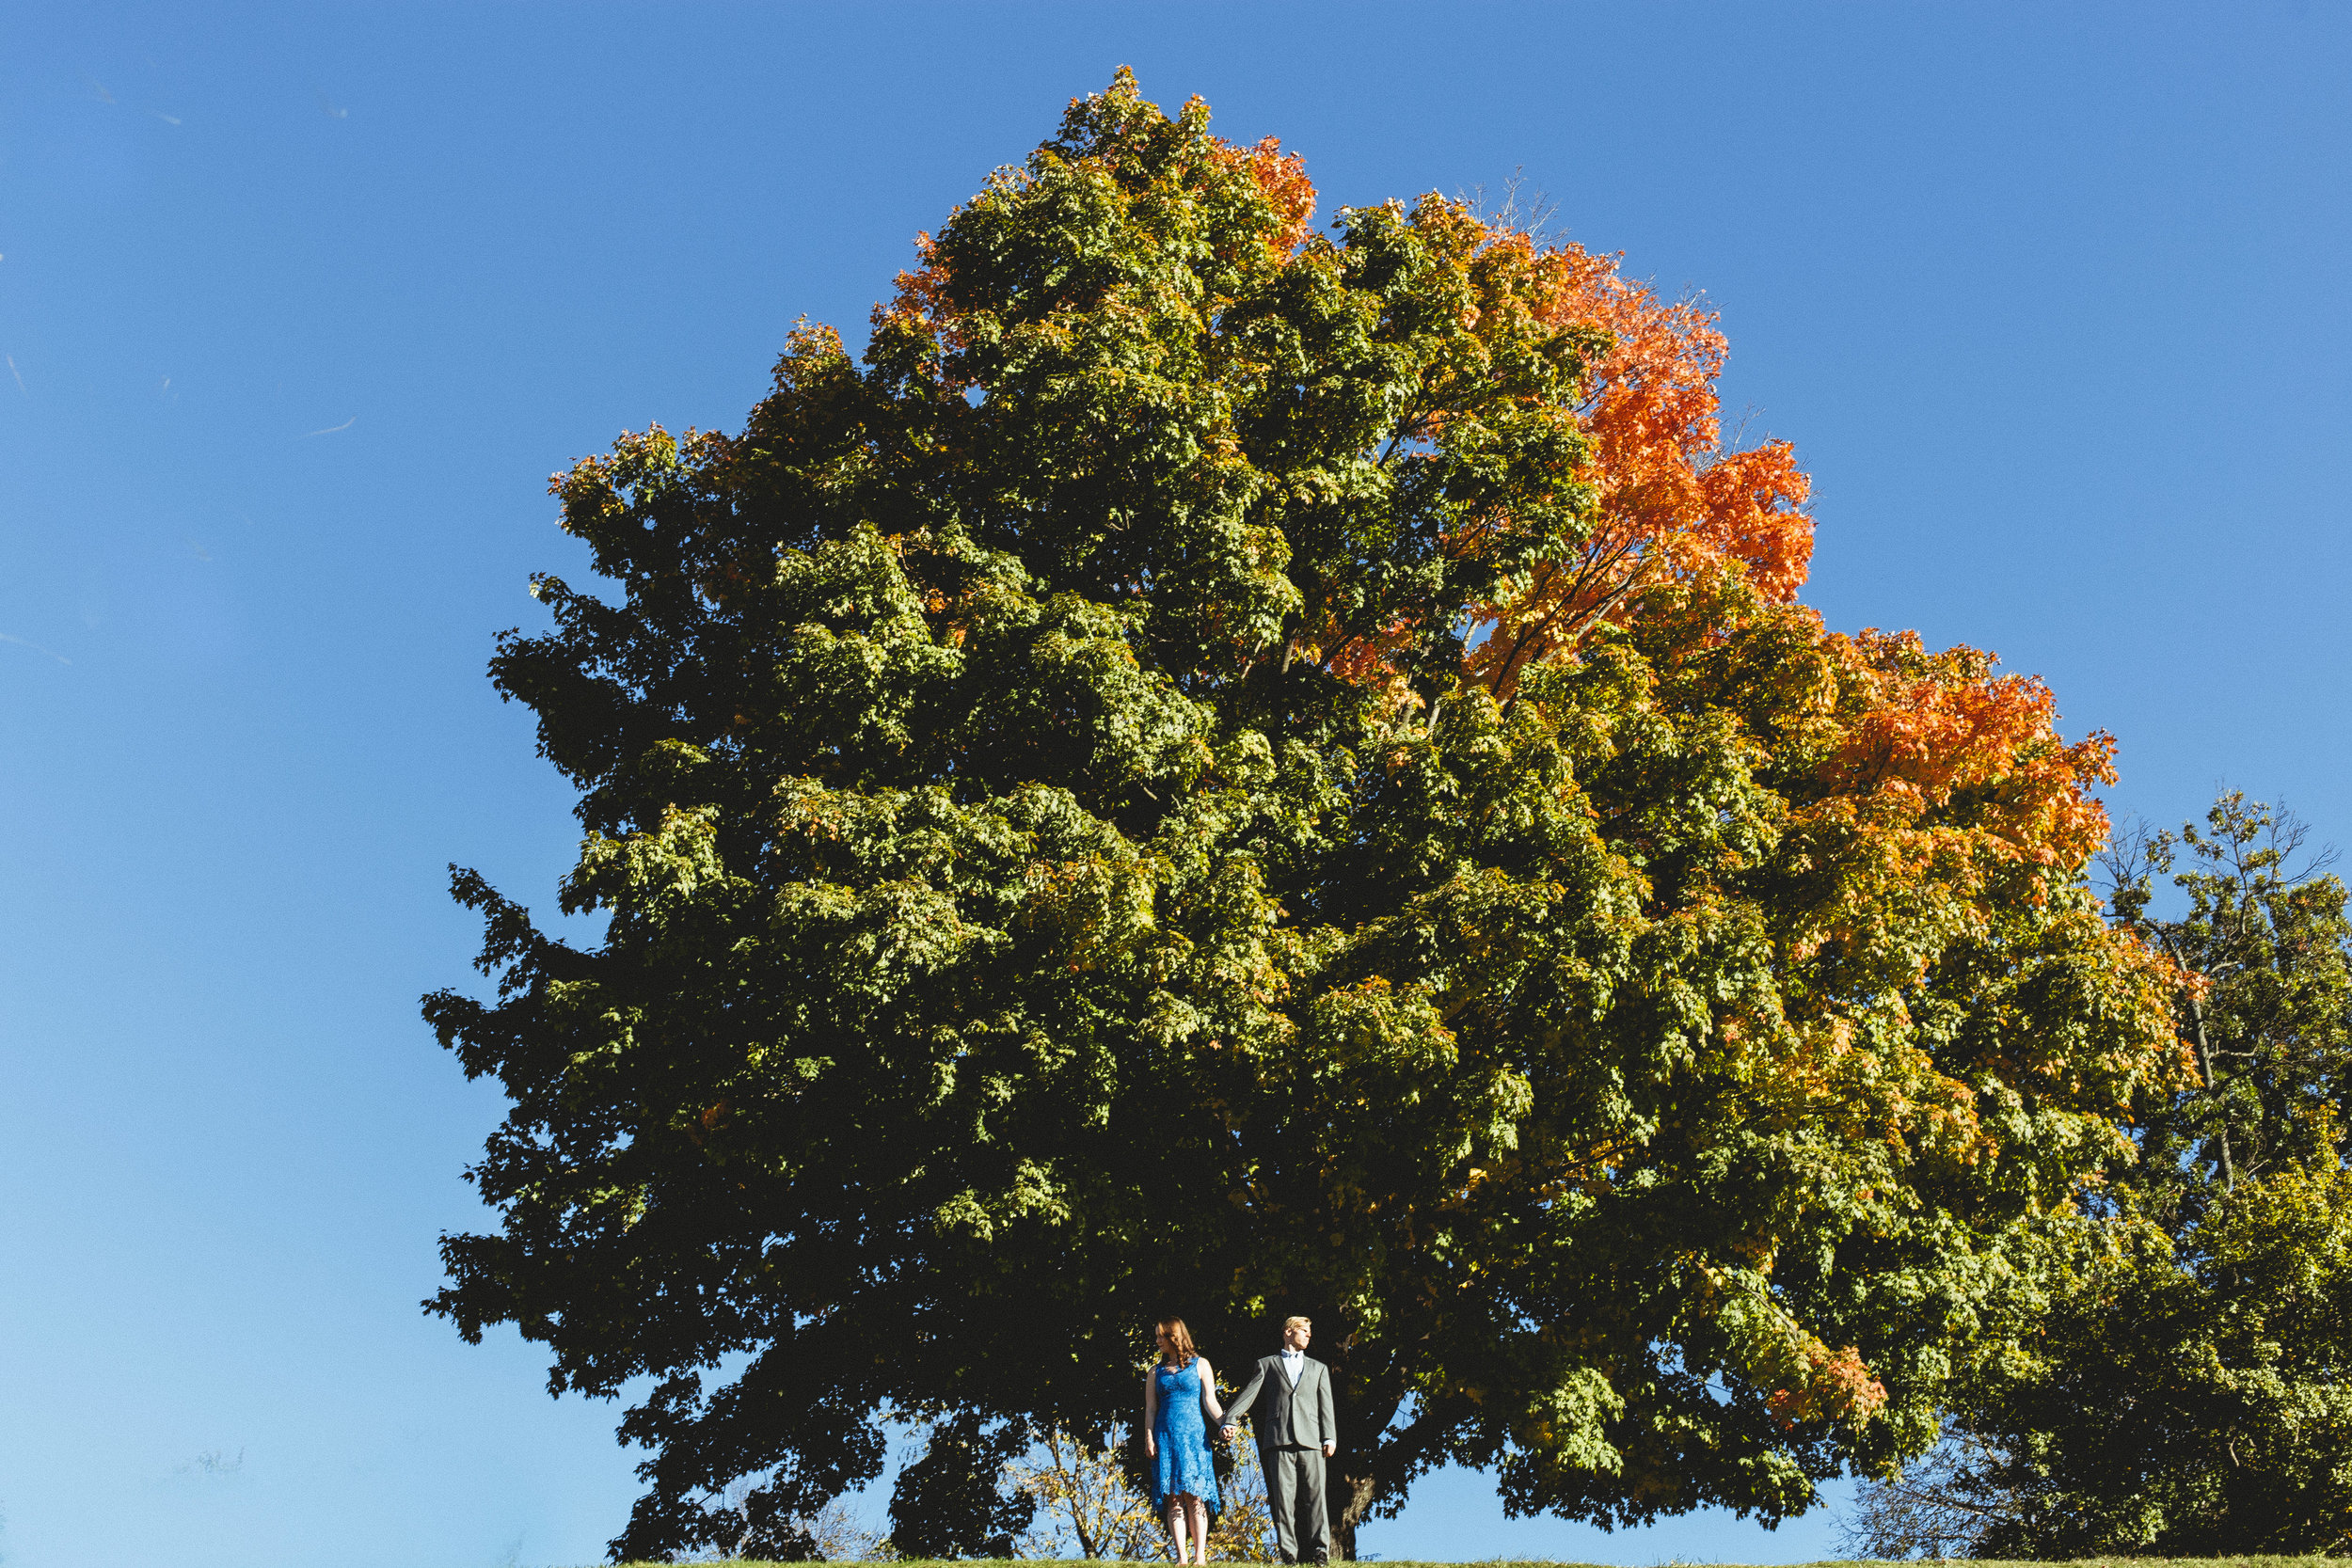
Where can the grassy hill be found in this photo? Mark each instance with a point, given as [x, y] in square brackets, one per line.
[1686, 1563]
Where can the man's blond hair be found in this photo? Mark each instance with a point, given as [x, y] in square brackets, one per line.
[1289, 1323]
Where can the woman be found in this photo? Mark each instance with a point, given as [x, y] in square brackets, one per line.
[1179, 1408]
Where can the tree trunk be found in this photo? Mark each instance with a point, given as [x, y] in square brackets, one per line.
[1357, 1479]
[2213, 1087]
[1350, 1493]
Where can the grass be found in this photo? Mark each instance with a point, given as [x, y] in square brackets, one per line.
[1679, 1562]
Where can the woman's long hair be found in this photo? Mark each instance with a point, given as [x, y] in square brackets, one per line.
[1178, 1340]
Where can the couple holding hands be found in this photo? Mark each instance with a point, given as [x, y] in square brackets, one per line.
[1296, 1434]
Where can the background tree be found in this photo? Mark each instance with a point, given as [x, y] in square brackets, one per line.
[833, 1534]
[2189, 1390]
[1075, 847]
[1942, 1506]
[2176, 1400]
[1091, 1505]
[951, 1500]
[1086, 1500]
[2269, 1024]
[1244, 1531]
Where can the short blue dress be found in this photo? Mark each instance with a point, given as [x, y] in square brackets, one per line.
[1182, 1436]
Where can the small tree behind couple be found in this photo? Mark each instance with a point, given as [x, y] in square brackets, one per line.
[1296, 1431]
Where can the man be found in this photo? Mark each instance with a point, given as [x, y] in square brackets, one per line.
[1296, 1434]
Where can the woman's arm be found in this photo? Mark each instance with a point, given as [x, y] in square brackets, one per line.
[1208, 1391]
[1150, 1411]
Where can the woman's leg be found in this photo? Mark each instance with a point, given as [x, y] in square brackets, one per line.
[1197, 1513]
[1176, 1525]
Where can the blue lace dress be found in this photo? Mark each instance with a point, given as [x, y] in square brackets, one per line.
[1181, 1456]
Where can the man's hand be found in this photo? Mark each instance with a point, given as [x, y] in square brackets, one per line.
[1231, 1431]
[1330, 1449]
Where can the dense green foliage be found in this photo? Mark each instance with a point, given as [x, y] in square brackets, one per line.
[2195, 1399]
[1060, 868]
[947, 1501]
[2192, 1390]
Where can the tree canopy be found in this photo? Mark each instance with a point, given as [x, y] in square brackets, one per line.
[1230, 766]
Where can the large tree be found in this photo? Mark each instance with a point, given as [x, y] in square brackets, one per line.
[1238, 769]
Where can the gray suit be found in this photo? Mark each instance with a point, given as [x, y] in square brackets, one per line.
[1291, 1431]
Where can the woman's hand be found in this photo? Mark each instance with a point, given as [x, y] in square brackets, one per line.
[1150, 1448]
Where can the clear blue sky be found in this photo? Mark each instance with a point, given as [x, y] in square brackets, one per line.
[301, 306]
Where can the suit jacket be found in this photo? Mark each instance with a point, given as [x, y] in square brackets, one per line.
[1296, 1417]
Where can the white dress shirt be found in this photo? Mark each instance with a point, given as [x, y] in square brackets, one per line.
[1294, 1365]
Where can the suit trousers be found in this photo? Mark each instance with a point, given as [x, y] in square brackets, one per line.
[1293, 1488]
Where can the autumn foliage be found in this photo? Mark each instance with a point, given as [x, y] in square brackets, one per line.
[1669, 498]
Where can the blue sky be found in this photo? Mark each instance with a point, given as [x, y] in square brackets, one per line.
[300, 306]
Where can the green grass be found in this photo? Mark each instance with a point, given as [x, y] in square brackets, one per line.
[1690, 1562]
